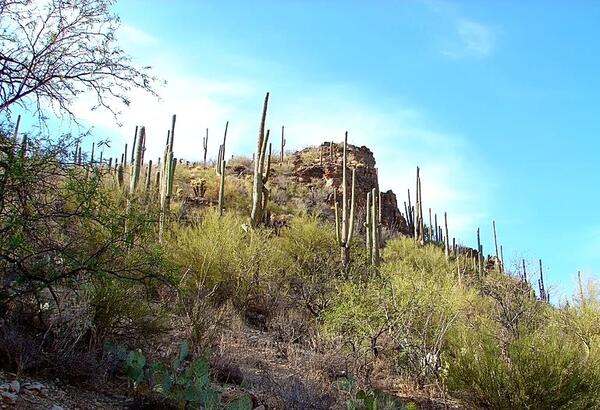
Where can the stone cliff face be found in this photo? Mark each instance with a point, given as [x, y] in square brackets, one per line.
[322, 167]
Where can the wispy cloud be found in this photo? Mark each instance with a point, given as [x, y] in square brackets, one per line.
[462, 36]
[131, 35]
[477, 39]
[470, 39]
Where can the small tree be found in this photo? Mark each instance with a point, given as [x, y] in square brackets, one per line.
[53, 51]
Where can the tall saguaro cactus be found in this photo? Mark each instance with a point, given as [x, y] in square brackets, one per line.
[221, 156]
[479, 254]
[222, 187]
[205, 146]
[261, 173]
[133, 147]
[283, 142]
[496, 243]
[373, 226]
[166, 188]
[367, 224]
[410, 215]
[582, 300]
[136, 161]
[419, 230]
[345, 227]
[447, 237]
[148, 181]
[544, 294]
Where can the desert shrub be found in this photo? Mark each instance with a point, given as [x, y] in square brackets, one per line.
[64, 225]
[222, 259]
[546, 369]
[404, 316]
[123, 309]
[582, 317]
[312, 249]
[517, 352]
[75, 260]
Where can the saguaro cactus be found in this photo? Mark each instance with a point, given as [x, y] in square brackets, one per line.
[120, 172]
[133, 147]
[345, 227]
[168, 171]
[136, 161]
[376, 225]
[367, 224]
[148, 176]
[430, 238]
[222, 188]
[221, 156]
[260, 173]
[544, 295]
[373, 226]
[447, 237]
[205, 146]
[496, 242]
[283, 142]
[410, 214]
[479, 254]
[582, 300]
[418, 218]
[15, 134]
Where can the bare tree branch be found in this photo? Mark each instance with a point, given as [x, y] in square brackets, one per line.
[52, 52]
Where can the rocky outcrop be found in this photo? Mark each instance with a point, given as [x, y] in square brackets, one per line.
[322, 166]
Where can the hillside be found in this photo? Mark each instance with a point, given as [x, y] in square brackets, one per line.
[127, 278]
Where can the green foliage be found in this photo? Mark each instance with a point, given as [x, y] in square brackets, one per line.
[64, 226]
[121, 307]
[314, 267]
[223, 255]
[516, 352]
[405, 314]
[135, 366]
[71, 253]
[186, 382]
[544, 370]
[374, 400]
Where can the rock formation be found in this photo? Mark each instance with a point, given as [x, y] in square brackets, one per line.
[322, 167]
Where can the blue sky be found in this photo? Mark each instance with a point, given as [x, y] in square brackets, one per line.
[497, 101]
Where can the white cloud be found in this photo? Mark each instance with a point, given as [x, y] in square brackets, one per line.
[130, 35]
[470, 39]
[476, 38]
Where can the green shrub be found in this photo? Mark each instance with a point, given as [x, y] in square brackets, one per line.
[543, 370]
[221, 258]
[314, 262]
[403, 316]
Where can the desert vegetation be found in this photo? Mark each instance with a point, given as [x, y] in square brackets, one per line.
[143, 274]
[244, 284]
